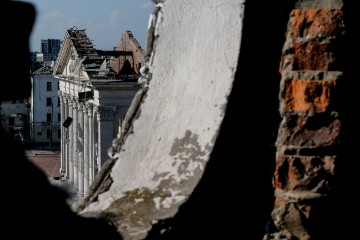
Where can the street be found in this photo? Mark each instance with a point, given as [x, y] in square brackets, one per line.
[49, 162]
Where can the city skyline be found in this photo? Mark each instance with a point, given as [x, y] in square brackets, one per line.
[104, 23]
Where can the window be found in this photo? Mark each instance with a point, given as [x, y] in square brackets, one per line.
[48, 133]
[48, 117]
[59, 133]
[48, 102]
[58, 101]
[21, 100]
[48, 86]
[59, 117]
[13, 101]
[39, 133]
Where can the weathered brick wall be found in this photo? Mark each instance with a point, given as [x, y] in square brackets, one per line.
[309, 134]
[129, 43]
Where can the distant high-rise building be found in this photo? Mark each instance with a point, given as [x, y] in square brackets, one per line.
[50, 48]
[36, 61]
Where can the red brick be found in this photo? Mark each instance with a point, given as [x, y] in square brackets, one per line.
[301, 173]
[311, 132]
[308, 95]
[313, 56]
[311, 23]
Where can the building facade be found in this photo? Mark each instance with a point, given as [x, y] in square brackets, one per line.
[45, 107]
[94, 97]
[14, 116]
[50, 48]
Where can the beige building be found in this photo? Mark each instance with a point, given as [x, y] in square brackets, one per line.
[96, 88]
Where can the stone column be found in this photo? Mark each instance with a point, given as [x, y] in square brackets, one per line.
[97, 145]
[70, 140]
[91, 143]
[80, 148]
[62, 138]
[65, 136]
[87, 143]
[75, 141]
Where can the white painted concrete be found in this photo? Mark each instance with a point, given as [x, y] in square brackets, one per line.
[193, 65]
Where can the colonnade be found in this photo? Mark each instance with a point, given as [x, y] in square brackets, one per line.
[81, 141]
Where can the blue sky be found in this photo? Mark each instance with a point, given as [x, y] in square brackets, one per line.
[104, 20]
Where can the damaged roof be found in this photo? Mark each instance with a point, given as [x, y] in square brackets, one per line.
[47, 68]
[96, 63]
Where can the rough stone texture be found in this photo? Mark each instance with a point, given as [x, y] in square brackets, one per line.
[313, 56]
[291, 219]
[309, 95]
[309, 131]
[309, 135]
[322, 4]
[301, 173]
[312, 23]
[312, 43]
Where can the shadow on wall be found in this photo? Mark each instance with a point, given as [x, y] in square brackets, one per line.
[33, 206]
[234, 198]
[336, 215]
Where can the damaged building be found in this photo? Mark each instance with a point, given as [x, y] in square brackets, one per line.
[96, 88]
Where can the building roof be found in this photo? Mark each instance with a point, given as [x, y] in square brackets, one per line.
[96, 63]
[47, 68]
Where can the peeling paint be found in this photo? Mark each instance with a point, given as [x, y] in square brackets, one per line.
[172, 127]
[138, 207]
[186, 147]
[188, 155]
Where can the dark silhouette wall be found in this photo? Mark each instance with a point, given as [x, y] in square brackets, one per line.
[32, 207]
[235, 197]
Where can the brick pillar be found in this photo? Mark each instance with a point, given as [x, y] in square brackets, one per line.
[308, 136]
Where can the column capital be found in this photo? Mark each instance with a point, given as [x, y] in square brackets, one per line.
[90, 107]
[74, 101]
[82, 107]
[61, 94]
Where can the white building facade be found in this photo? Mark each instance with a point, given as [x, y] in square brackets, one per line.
[93, 99]
[45, 108]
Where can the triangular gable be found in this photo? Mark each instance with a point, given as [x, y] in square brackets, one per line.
[75, 49]
[64, 54]
[128, 43]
